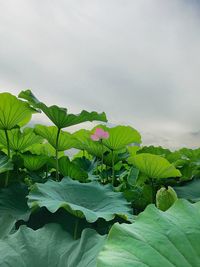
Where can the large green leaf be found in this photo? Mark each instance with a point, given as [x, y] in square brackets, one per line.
[50, 246]
[133, 150]
[189, 190]
[132, 176]
[154, 166]
[89, 166]
[7, 223]
[156, 150]
[187, 161]
[120, 136]
[175, 156]
[13, 111]
[13, 207]
[157, 238]
[5, 163]
[44, 149]
[20, 141]
[66, 140]
[34, 162]
[185, 156]
[192, 154]
[59, 116]
[72, 170]
[84, 142]
[116, 156]
[89, 200]
[84, 163]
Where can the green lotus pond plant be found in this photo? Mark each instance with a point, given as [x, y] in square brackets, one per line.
[94, 197]
[60, 118]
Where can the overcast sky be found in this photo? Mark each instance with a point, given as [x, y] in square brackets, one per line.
[137, 60]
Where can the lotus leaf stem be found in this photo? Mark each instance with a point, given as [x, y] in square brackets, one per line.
[8, 149]
[57, 165]
[113, 167]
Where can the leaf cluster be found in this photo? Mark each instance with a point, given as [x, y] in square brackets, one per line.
[95, 207]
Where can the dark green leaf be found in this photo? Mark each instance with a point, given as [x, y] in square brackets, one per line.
[89, 200]
[50, 246]
[13, 207]
[189, 190]
[72, 170]
[132, 176]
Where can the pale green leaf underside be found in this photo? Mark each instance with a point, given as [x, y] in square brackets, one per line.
[84, 142]
[62, 119]
[13, 111]
[89, 200]
[18, 140]
[66, 140]
[34, 162]
[59, 115]
[168, 239]
[121, 136]
[116, 141]
[44, 149]
[154, 166]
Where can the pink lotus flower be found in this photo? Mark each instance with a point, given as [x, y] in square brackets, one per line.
[99, 134]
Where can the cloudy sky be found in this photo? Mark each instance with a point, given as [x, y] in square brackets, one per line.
[137, 60]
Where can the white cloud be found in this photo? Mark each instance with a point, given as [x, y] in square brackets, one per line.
[136, 60]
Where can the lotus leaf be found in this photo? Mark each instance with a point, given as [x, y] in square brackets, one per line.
[120, 136]
[34, 162]
[66, 140]
[50, 246]
[13, 207]
[156, 238]
[5, 163]
[89, 200]
[154, 166]
[13, 111]
[189, 190]
[59, 116]
[72, 170]
[20, 141]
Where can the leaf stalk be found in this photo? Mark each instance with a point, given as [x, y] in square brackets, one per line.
[8, 149]
[57, 165]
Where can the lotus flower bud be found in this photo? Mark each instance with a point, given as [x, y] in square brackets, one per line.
[165, 198]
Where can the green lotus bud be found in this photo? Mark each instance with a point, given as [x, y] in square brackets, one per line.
[165, 198]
